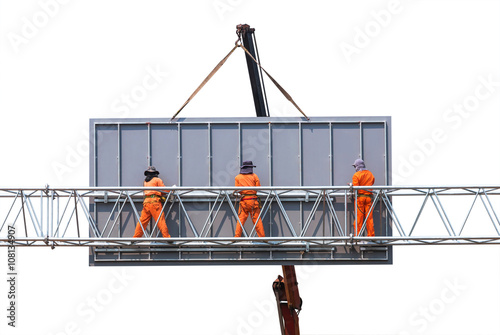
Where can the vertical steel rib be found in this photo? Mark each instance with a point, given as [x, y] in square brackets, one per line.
[209, 150]
[150, 150]
[345, 211]
[300, 159]
[57, 213]
[41, 213]
[270, 154]
[49, 231]
[76, 215]
[179, 155]
[330, 153]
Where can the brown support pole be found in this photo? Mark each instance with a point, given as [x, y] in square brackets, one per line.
[288, 301]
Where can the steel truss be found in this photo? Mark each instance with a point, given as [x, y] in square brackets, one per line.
[63, 217]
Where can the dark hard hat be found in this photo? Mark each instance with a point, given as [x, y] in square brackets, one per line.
[247, 164]
[151, 170]
[247, 167]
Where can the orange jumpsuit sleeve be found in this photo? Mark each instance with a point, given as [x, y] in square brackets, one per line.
[257, 180]
[355, 179]
[159, 182]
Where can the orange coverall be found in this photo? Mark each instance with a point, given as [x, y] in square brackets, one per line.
[249, 203]
[364, 203]
[152, 208]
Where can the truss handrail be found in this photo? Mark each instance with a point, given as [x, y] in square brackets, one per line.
[466, 188]
[36, 213]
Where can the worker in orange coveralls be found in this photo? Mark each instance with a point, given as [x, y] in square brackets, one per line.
[363, 177]
[152, 204]
[249, 202]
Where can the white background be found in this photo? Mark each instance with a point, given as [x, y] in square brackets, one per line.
[80, 59]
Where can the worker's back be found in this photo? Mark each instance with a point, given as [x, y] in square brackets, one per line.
[248, 180]
[363, 178]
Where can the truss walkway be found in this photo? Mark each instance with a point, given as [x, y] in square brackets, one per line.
[301, 223]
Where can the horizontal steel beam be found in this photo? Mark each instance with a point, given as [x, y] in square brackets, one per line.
[206, 243]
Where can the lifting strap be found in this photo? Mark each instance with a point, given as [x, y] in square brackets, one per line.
[282, 90]
[211, 74]
[206, 80]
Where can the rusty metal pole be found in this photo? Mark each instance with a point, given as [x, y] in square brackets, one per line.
[288, 301]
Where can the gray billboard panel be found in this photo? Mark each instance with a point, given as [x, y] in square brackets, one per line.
[373, 144]
[224, 154]
[255, 147]
[134, 153]
[316, 155]
[346, 149]
[106, 156]
[164, 152]
[208, 152]
[285, 162]
[194, 155]
[202, 152]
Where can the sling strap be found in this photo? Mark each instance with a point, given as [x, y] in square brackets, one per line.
[212, 73]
